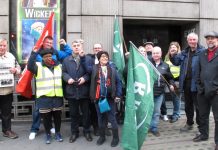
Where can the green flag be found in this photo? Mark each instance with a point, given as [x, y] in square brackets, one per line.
[139, 100]
[118, 57]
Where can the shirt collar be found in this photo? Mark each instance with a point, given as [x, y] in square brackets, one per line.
[4, 56]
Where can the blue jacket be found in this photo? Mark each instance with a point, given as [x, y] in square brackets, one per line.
[182, 60]
[58, 55]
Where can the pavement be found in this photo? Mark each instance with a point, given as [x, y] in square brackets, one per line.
[171, 139]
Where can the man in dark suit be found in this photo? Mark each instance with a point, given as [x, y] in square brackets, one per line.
[207, 85]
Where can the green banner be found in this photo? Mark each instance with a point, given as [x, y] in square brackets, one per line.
[139, 100]
[32, 16]
[118, 57]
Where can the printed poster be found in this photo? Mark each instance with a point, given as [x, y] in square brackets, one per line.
[6, 77]
[32, 16]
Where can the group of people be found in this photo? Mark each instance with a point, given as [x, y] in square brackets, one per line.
[86, 79]
[197, 77]
[82, 82]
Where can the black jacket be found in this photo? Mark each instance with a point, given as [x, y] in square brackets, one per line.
[71, 70]
[207, 74]
[164, 70]
[115, 89]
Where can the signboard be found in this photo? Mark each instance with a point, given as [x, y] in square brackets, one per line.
[32, 16]
[6, 77]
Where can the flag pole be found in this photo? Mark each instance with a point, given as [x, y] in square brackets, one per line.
[124, 43]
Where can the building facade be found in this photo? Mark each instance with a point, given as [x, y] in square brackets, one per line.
[159, 21]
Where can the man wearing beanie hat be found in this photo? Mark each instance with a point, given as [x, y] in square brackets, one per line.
[46, 51]
[207, 77]
[49, 92]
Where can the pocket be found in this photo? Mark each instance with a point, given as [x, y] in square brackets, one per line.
[215, 86]
[209, 88]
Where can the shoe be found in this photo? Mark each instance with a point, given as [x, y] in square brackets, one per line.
[48, 139]
[174, 119]
[107, 132]
[165, 118]
[10, 134]
[58, 137]
[52, 130]
[88, 137]
[216, 147]
[200, 138]
[155, 133]
[100, 140]
[186, 128]
[73, 138]
[115, 140]
[32, 135]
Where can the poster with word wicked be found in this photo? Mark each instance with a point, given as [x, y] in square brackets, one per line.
[32, 16]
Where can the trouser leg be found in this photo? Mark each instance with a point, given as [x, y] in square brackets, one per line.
[47, 121]
[6, 106]
[57, 120]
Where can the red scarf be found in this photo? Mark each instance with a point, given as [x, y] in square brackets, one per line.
[108, 82]
[211, 53]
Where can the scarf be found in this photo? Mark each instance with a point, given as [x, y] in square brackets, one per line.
[77, 59]
[103, 81]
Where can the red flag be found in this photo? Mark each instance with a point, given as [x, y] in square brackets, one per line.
[24, 84]
[48, 30]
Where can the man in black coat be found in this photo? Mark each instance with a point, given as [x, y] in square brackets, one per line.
[207, 85]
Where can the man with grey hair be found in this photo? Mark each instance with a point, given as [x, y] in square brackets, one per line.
[187, 60]
[164, 69]
[77, 91]
[207, 77]
[9, 67]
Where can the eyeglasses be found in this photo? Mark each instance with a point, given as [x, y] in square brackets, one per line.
[104, 56]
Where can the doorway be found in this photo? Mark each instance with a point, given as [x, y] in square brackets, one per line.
[160, 32]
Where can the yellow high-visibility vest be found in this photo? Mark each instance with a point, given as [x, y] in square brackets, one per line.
[175, 70]
[48, 83]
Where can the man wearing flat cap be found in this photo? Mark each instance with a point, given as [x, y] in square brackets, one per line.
[207, 86]
[148, 48]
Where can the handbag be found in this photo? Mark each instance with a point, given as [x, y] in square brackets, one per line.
[103, 105]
